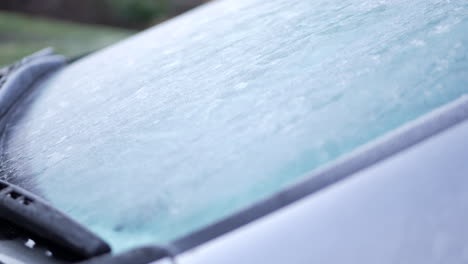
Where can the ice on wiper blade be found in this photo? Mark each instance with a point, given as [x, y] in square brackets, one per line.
[32, 214]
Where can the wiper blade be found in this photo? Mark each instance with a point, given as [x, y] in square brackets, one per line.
[35, 216]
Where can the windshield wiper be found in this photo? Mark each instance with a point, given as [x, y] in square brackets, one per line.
[63, 235]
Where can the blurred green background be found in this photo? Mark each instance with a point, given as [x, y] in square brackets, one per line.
[21, 35]
[75, 27]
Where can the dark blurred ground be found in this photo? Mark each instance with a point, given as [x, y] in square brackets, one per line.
[75, 27]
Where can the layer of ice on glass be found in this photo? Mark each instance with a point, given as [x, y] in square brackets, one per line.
[189, 121]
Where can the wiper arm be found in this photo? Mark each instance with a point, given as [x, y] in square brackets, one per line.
[61, 235]
[32, 214]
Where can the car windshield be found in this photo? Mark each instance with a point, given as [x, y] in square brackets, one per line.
[196, 118]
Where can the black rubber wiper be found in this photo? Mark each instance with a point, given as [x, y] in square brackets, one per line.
[64, 238]
[32, 214]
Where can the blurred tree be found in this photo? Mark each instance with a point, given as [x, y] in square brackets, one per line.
[138, 12]
[123, 13]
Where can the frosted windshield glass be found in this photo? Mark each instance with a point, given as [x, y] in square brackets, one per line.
[183, 124]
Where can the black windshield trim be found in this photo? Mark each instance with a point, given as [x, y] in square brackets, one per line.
[16, 79]
[19, 77]
[370, 154]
